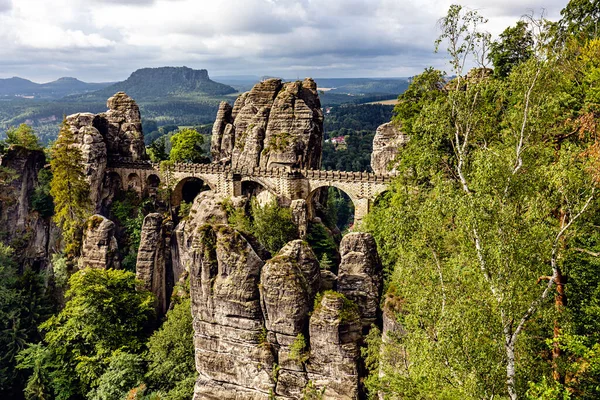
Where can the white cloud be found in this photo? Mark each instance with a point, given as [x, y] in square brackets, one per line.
[107, 39]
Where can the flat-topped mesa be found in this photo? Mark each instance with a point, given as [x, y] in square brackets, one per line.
[275, 124]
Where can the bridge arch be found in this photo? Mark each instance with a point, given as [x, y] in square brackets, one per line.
[134, 182]
[318, 191]
[187, 189]
[252, 187]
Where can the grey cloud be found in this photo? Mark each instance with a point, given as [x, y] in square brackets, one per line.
[5, 5]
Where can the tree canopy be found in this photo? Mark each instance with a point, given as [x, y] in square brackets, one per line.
[187, 147]
[496, 191]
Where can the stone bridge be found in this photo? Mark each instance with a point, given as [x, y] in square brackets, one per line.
[286, 184]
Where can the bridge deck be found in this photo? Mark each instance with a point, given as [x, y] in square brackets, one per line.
[347, 176]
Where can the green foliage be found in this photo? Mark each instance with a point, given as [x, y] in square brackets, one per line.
[184, 209]
[69, 189]
[514, 46]
[187, 147]
[104, 313]
[157, 151]
[580, 19]
[24, 303]
[299, 349]
[60, 270]
[310, 392]
[23, 136]
[478, 213]
[41, 200]
[321, 241]
[340, 209]
[325, 262]
[357, 124]
[171, 355]
[124, 372]
[127, 212]
[272, 225]
[424, 89]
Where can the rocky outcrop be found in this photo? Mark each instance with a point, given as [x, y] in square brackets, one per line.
[29, 233]
[93, 150]
[335, 332]
[116, 133]
[275, 124]
[360, 275]
[206, 209]
[154, 259]
[299, 210]
[288, 285]
[386, 146]
[99, 249]
[121, 127]
[233, 358]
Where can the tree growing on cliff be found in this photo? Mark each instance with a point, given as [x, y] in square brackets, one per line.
[69, 189]
[23, 136]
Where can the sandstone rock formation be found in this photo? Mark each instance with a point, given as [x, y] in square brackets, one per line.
[275, 124]
[360, 275]
[121, 127]
[30, 234]
[206, 209]
[93, 149]
[335, 331]
[99, 249]
[386, 145]
[154, 259]
[288, 285]
[233, 358]
[300, 216]
[116, 133]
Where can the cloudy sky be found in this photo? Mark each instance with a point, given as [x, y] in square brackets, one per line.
[105, 40]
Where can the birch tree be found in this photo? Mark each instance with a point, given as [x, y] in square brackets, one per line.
[486, 201]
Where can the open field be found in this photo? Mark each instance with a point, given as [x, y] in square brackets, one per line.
[392, 102]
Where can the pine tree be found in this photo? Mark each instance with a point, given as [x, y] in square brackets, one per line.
[69, 188]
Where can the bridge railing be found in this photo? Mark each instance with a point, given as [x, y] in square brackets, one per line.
[347, 176]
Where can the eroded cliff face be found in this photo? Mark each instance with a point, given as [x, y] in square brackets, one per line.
[31, 235]
[116, 133]
[275, 124]
[268, 327]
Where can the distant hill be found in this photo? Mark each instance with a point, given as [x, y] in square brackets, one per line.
[156, 83]
[24, 88]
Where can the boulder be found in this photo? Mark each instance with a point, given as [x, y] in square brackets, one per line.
[387, 142]
[360, 275]
[99, 249]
